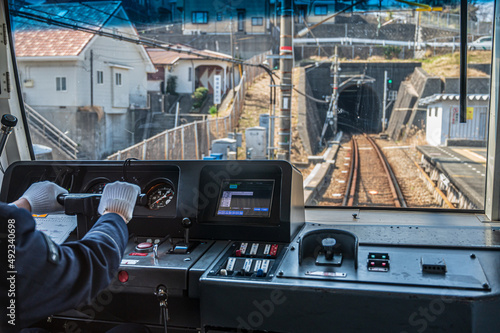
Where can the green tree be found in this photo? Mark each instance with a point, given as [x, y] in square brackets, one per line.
[199, 96]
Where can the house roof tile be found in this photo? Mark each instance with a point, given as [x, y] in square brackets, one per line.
[37, 39]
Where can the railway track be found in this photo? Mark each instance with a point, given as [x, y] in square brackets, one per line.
[371, 181]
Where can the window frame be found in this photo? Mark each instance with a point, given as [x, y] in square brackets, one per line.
[61, 83]
[316, 10]
[118, 79]
[100, 77]
[195, 13]
[257, 18]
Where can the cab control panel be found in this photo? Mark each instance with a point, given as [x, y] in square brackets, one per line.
[250, 260]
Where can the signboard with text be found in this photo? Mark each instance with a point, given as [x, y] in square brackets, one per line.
[217, 89]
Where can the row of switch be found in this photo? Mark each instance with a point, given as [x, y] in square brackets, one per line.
[257, 250]
[246, 267]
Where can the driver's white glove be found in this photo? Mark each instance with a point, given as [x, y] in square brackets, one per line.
[42, 197]
[120, 198]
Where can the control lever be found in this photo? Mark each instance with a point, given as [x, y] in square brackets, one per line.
[8, 123]
[186, 224]
[328, 244]
[142, 199]
[84, 206]
[328, 256]
[183, 247]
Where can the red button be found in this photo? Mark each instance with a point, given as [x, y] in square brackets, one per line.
[238, 253]
[372, 263]
[122, 276]
[274, 250]
[144, 246]
[384, 264]
[137, 254]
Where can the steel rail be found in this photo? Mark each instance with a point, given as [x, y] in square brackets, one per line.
[397, 195]
[353, 175]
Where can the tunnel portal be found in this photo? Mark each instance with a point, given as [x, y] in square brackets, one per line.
[359, 109]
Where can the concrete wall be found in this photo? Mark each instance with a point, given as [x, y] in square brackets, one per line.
[407, 111]
[401, 112]
[410, 114]
[309, 124]
[320, 79]
[245, 46]
[475, 85]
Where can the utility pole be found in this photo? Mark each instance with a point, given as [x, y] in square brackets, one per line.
[231, 42]
[92, 78]
[332, 113]
[384, 103]
[286, 64]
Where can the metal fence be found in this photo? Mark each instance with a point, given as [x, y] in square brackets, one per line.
[452, 22]
[51, 132]
[193, 140]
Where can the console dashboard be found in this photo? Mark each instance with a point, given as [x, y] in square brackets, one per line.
[230, 247]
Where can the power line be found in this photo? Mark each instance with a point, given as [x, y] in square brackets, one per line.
[310, 97]
[135, 40]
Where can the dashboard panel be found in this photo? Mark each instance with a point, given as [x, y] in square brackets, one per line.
[233, 248]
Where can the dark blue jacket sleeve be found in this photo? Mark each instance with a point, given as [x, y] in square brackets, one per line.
[83, 268]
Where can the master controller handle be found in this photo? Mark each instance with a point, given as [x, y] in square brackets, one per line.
[328, 244]
[8, 122]
[62, 199]
[186, 224]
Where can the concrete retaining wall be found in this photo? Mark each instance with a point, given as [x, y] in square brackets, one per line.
[309, 124]
[407, 112]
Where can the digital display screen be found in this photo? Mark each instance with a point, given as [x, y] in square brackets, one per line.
[245, 198]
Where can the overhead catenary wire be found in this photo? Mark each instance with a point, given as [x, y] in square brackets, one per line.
[135, 40]
[141, 41]
[310, 97]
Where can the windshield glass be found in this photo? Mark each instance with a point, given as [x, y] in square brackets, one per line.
[362, 97]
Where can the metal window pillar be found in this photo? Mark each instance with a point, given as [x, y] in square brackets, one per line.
[492, 204]
[286, 64]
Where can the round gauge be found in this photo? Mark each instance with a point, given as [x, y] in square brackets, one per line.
[97, 186]
[160, 195]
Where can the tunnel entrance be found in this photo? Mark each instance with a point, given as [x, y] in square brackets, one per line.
[359, 109]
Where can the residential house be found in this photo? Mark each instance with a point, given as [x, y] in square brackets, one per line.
[225, 16]
[191, 71]
[80, 81]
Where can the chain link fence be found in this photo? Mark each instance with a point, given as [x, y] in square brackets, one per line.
[192, 141]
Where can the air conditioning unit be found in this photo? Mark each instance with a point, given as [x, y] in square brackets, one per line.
[29, 83]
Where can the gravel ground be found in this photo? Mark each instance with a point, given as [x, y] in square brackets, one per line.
[401, 160]
[413, 187]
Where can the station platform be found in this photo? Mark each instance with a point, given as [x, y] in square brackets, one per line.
[465, 167]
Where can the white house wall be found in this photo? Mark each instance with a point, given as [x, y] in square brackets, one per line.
[43, 75]
[473, 129]
[108, 52]
[58, 107]
[434, 125]
[181, 70]
[446, 126]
